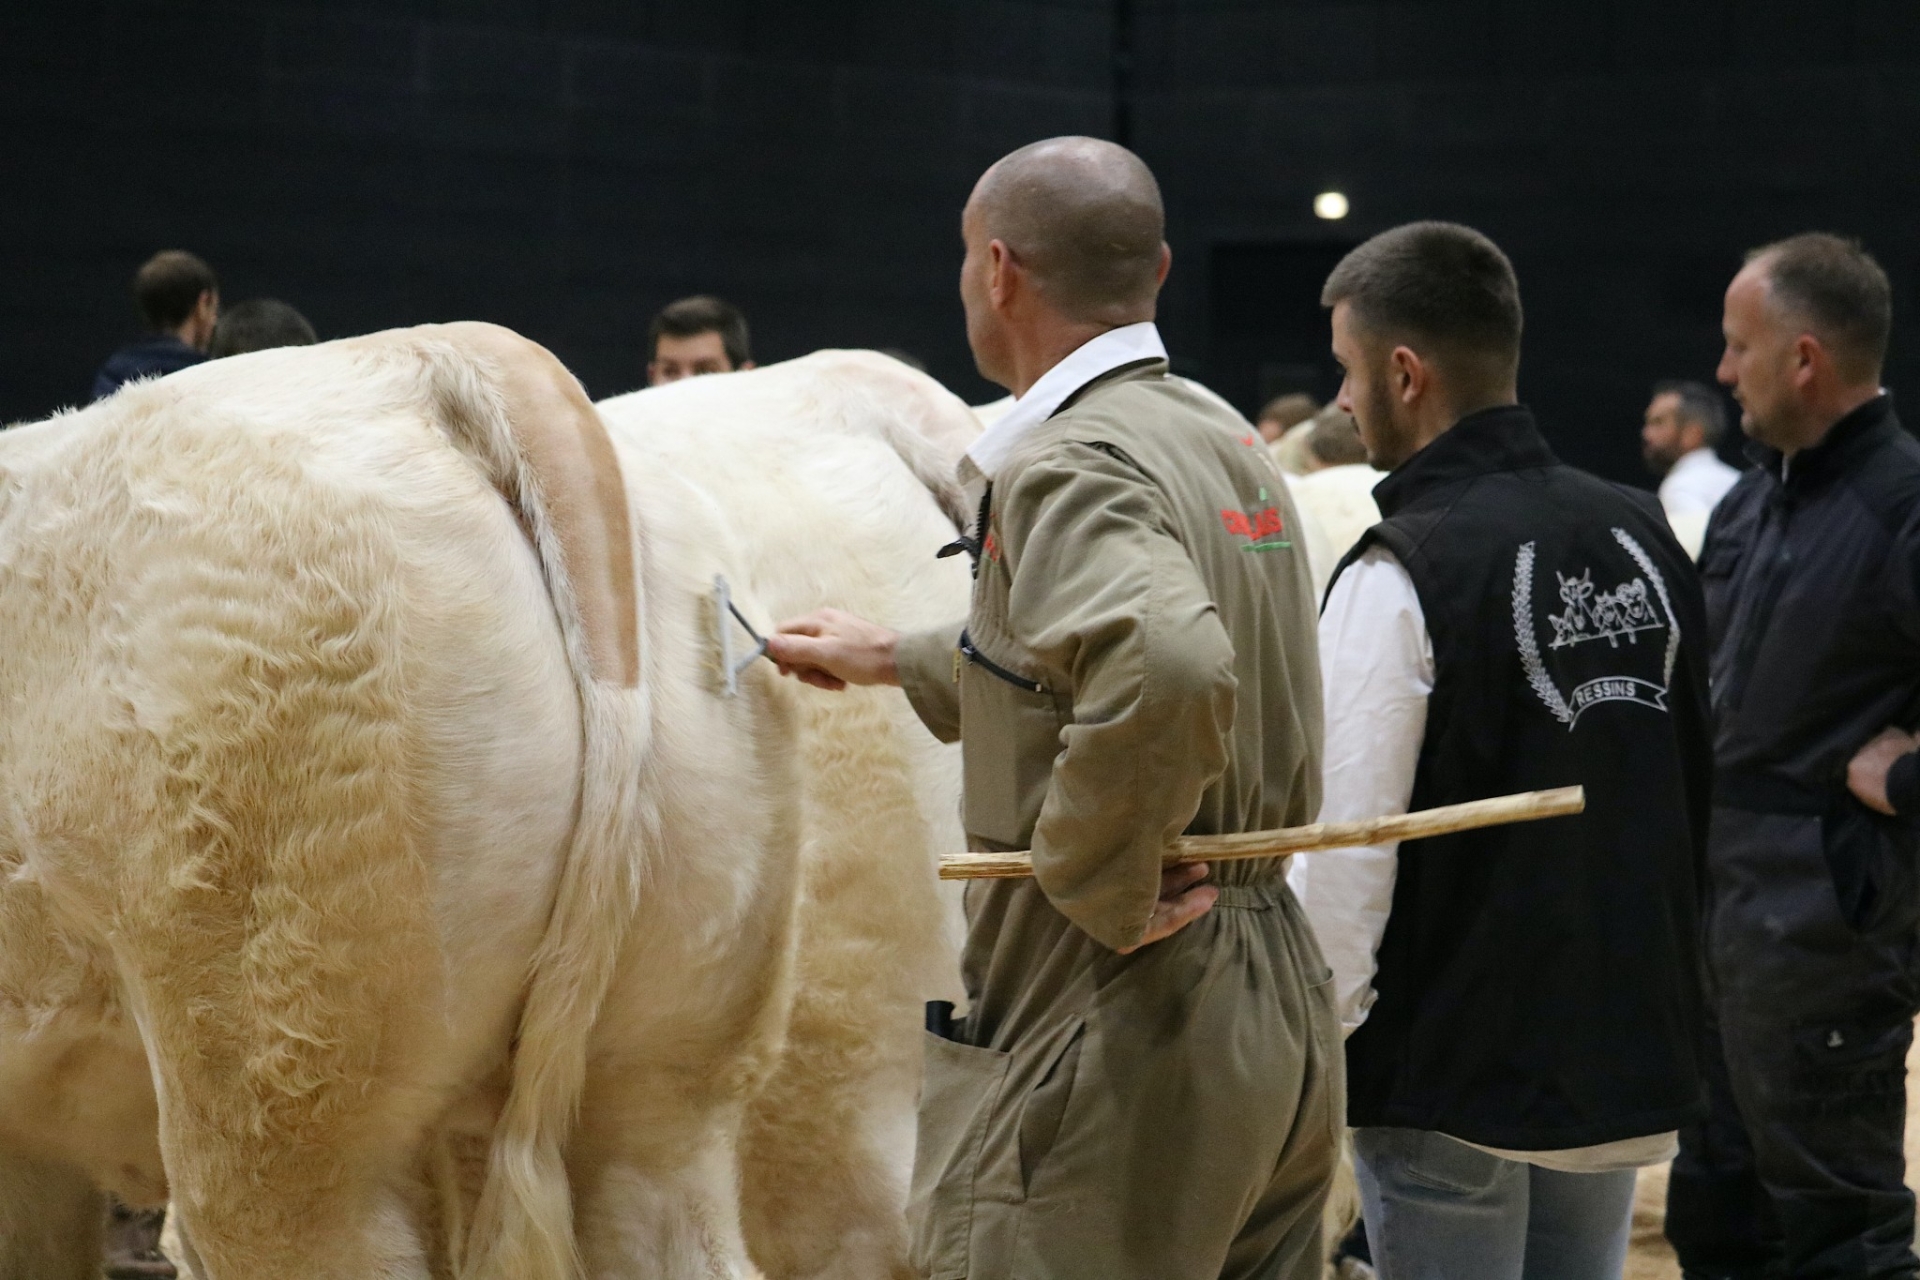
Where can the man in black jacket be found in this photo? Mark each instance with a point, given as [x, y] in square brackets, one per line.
[1524, 1001]
[1812, 575]
[179, 301]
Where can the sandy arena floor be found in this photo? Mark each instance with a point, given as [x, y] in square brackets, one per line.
[1651, 1259]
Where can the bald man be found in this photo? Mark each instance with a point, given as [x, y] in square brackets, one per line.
[1148, 1082]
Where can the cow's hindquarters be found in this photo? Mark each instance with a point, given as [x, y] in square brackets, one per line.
[298, 741]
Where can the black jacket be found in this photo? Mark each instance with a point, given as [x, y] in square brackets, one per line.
[1812, 573]
[1539, 985]
[152, 356]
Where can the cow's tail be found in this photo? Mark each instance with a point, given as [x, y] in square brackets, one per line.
[585, 540]
[921, 421]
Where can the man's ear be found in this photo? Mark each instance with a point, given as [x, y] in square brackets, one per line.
[1810, 360]
[1166, 263]
[1407, 374]
[1003, 275]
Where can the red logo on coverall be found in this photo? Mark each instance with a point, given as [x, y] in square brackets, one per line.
[1253, 524]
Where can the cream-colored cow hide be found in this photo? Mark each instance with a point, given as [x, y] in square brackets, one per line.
[382, 874]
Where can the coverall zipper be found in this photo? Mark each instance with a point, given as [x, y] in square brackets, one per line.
[991, 667]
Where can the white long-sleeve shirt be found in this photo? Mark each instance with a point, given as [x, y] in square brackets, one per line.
[1376, 661]
[1692, 489]
[1696, 483]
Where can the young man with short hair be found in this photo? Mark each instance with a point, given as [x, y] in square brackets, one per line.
[694, 336]
[179, 302]
[1523, 1001]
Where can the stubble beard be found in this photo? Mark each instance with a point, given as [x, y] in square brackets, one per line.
[1395, 442]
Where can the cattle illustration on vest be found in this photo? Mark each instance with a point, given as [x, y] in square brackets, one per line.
[1605, 615]
[1574, 673]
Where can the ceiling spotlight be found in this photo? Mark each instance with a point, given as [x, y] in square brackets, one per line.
[1331, 205]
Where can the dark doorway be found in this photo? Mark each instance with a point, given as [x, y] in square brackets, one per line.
[1269, 333]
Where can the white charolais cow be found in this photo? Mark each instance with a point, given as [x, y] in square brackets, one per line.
[383, 873]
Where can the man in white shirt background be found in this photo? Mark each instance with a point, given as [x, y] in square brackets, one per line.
[1335, 496]
[1522, 1004]
[1684, 424]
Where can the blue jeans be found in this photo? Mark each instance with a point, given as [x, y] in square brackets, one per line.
[1438, 1209]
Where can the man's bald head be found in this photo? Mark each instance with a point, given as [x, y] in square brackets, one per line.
[1084, 218]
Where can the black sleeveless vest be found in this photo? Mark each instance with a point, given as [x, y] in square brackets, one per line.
[1539, 984]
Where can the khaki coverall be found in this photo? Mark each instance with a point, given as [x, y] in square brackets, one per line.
[1172, 1113]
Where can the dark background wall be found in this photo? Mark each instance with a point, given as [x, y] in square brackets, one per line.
[561, 166]
[1625, 153]
[566, 166]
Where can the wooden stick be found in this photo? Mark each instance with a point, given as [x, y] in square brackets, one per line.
[1528, 806]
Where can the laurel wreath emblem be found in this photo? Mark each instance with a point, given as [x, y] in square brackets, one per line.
[1594, 690]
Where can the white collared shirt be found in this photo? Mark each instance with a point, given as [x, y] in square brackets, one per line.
[1692, 489]
[1696, 484]
[1129, 344]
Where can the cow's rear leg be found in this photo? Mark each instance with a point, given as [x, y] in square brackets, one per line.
[297, 1223]
[294, 1156]
[657, 1190]
[289, 1000]
[829, 1141]
[50, 1218]
[828, 1160]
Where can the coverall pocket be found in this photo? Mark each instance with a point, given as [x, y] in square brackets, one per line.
[958, 1098]
[1872, 859]
[1010, 737]
[1331, 1053]
[1046, 1108]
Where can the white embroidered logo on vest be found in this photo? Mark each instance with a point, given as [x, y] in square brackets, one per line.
[1622, 614]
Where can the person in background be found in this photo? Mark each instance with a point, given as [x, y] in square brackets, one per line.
[694, 336]
[257, 325]
[1333, 441]
[1283, 413]
[1284, 423]
[1812, 576]
[1335, 496]
[1683, 426]
[1523, 1001]
[179, 302]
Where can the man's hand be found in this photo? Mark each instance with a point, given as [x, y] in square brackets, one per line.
[1181, 903]
[1867, 771]
[829, 649]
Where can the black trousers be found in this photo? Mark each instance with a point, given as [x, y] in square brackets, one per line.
[1799, 1169]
